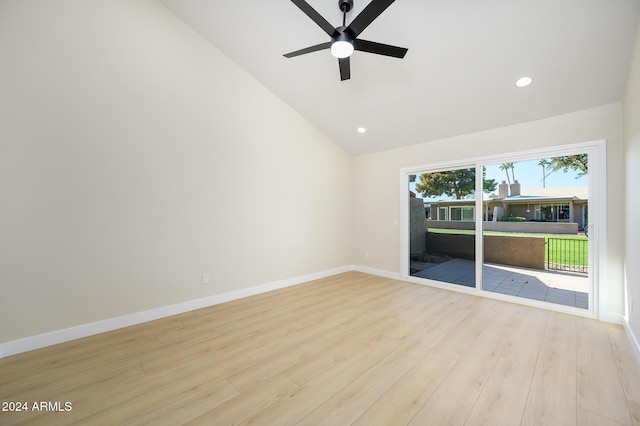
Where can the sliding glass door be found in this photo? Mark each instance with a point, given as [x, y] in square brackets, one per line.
[515, 227]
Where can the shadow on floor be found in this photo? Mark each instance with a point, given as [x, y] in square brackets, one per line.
[554, 287]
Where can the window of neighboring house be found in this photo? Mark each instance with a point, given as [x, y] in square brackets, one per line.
[553, 213]
[464, 214]
[563, 212]
[468, 214]
[543, 213]
[442, 213]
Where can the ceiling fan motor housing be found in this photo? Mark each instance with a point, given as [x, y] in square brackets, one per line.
[345, 5]
[343, 34]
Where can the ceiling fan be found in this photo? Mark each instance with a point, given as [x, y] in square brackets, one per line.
[344, 39]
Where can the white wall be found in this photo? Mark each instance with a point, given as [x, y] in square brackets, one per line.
[377, 182]
[631, 111]
[135, 157]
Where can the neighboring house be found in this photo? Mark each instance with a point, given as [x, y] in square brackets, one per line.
[568, 205]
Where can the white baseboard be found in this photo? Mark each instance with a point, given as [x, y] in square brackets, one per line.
[378, 272]
[633, 341]
[60, 336]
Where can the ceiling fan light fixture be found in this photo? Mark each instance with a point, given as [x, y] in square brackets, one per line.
[341, 49]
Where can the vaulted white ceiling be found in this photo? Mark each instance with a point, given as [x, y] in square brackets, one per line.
[457, 77]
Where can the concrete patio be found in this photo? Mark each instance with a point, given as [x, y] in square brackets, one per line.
[554, 287]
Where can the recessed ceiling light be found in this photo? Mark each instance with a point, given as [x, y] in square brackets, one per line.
[523, 81]
[361, 130]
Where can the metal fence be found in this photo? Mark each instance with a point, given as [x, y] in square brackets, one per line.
[564, 254]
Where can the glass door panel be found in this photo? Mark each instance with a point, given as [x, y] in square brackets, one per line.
[442, 226]
[535, 244]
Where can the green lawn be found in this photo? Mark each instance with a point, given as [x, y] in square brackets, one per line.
[561, 253]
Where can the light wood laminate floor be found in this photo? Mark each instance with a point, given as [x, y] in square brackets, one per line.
[349, 349]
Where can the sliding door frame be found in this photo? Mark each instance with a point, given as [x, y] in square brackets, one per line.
[597, 223]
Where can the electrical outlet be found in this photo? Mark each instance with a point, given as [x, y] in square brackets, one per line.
[366, 254]
[205, 279]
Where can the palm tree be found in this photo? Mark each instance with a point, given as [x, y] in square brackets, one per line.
[544, 163]
[506, 167]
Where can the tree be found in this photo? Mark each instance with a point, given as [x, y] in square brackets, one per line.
[579, 163]
[488, 185]
[544, 163]
[506, 167]
[453, 183]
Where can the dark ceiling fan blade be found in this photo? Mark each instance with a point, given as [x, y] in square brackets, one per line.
[310, 49]
[315, 17]
[345, 68]
[379, 48]
[366, 17]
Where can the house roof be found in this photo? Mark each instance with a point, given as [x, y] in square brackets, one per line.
[581, 192]
[535, 195]
[533, 199]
